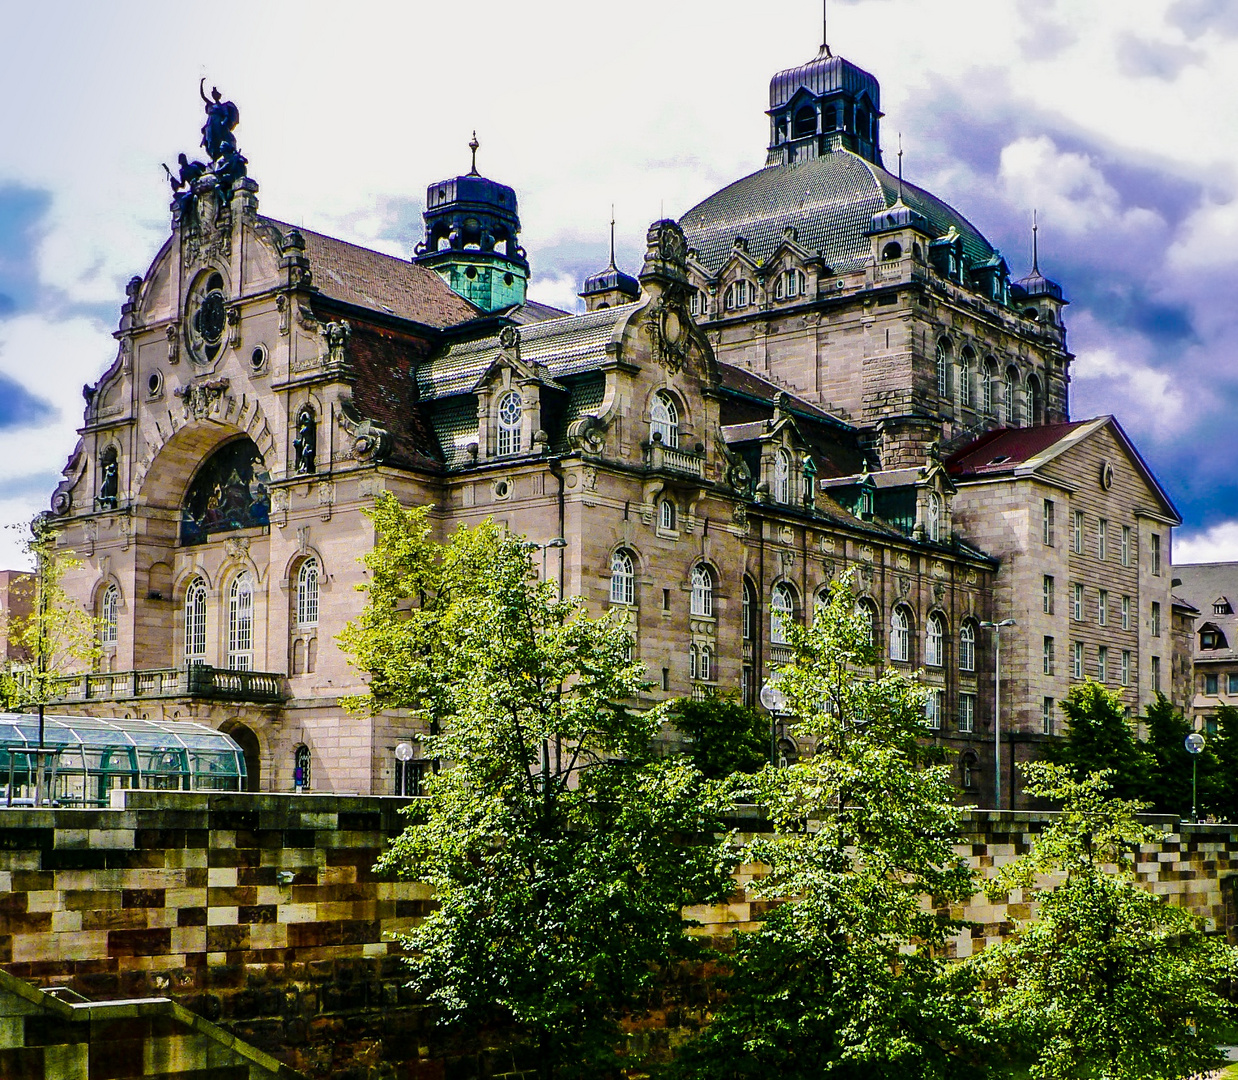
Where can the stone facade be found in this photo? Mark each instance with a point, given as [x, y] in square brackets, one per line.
[16, 595]
[1208, 594]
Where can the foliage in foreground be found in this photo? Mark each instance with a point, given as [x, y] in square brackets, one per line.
[1109, 982]
[846, 976]
[727, 736]
[559, 848]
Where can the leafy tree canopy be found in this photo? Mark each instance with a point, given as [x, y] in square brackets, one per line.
[727, 737]
[1102, 739]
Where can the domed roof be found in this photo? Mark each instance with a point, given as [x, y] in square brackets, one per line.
[611, 278]
[824, 74]
[829, 200]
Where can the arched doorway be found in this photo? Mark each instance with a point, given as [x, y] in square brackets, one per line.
[248, 742]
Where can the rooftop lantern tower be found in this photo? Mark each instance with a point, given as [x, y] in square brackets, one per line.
[824, 105]
[610, 287]
[471, 229]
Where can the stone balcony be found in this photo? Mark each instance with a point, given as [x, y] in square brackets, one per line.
[675, 460]
[196, 681]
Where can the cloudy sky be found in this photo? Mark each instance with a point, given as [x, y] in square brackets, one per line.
[1115, 120]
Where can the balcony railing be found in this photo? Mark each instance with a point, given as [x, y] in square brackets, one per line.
[680, 461]
[197, 680]
[781, 654]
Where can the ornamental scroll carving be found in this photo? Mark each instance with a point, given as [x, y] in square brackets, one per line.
[371, 442]
[201, 398]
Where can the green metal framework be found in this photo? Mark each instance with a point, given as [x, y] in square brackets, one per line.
[90, 757]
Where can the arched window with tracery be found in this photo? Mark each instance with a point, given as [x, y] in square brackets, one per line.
[241, 622]
[900, 635]
[666, 515]
[820, 602]
[622, 578]
[869, 610]
[510, 413]
[702, 591]
[967, 647]
[1009, 400]
[749, 609]
[943, 368]
[109, 616]
[967, 364]
[935, 642]
[664, 419]
[932, 525]
[990, 381]
[301, 768]
[781, 613]
[195, 622]
[307, 593]
[1035, 401]
[782, 477]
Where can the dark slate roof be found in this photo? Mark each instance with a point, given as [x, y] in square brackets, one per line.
[742, 381]
[381, 283]
[532, 311]
[1002, 450]
[830, 202]
[565, 346]
[824, 74]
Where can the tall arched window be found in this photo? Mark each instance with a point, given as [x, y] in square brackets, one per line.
[694, 660]
[1009, 402]
[702, 591]
[109, 616]
[1035, 402]
[967, 363]
[666, 515]
[934, 642]
[782, 477]
[664, 419]
[241, 622]
[750, 606]
[869, 610]
[307, 593]
[195, 622]
[967, 647]
[706, 663]
[932, 525]
[990, 379]
[301, 768]
[943, 368]
[820, 602]
[781, 613]
[622, 579]
[511, 409]
[900, 635]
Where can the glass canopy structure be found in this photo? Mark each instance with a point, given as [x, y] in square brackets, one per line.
[88, 757]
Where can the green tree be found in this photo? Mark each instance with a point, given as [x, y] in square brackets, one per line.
[727, 737]
[1223, 783]
[1109, 982]
[846, 977]
[1170, 766]
[1101, 738]
[559, 847]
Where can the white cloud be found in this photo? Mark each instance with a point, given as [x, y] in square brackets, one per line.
[1208, 238]
[1152, 400]
[1217, 544]
[558, 291]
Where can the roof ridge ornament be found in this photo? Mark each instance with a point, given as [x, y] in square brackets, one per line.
[474, 145]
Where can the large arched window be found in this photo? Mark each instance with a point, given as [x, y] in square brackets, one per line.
[781, 613]
[900, 635]
[1035, 401]
[782, 477]
[990, 380]
[622, 578]
[967, 647]
[307, 593]
[967, 364]
[511, 410]
[750, 607]
[943, 368]
[241, 622]
[1010, 406]
[702, 591]
[932, 524]
[109, 616]
[869, 610]
[935, 642]
[195, 622]
[664, 419]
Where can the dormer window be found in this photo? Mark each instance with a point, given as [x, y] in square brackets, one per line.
[739, 294]
[664, 420]
[782, 477]
[1222, 607]
[805, 123]
[511, 411]
[1211, 637]
[789, 285]
[933, 524]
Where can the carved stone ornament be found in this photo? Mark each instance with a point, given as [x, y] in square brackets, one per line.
[827, 544]
[972, 577]
[75, 467]
[667, 326]
[234, 326]
[786, 535]
[939, 569]
[827, 568]
[371, 442]
[281, 305]
[335, 336]
[904, 587]
[173, 333]
[201, 398]
[587, 433]
[904, 561]
[589, 476]
[939, 592]
[237, 548]
[671, 243]
[866, 552]
[509, 340]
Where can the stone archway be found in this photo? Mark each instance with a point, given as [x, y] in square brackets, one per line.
[251, 748]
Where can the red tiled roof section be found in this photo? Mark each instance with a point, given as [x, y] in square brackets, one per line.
[382, 283]
[1002, 449]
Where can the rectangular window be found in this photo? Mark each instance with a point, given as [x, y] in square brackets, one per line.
[1078, 532]
[1048, 656]
[1210, 685]
[1046, 716]
[1102, 607]
[1126, 613]
[932, 708]
[1102, 663]
[666, 599]
[1102, 539]
[1047, 594]
[747, 687]
[1126, 545]
[1233, 684]
[1078, 602]
[1077, 665]
[1126, 667]
[967, 713]
[666, 678]
[1156, 619]
[1156, 674]
[1156, 555]
[1048, 523]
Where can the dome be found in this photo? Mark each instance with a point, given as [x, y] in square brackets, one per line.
[898, 216]
[1036, 284]
[829, 200]
[826, 74]
[611, 278]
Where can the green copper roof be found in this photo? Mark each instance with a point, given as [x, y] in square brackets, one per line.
[829, 201]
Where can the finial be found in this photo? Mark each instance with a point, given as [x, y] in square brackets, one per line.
[825, 28]
[612, 237]
[1035, 245]
[473, 145]
[900, 166]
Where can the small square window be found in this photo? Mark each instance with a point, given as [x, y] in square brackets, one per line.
[1210, 685]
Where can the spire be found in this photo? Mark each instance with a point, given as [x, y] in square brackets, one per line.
[1035, 245]
[825, 28]
[900, 166]
[612, 265]
[473, 145]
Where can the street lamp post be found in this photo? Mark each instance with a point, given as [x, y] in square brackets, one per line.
[775, 702]
[996, 627]
[1194, 745]
[557, 542]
